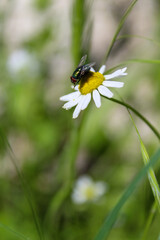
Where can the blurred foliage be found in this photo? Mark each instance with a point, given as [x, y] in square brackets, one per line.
[42, 4]
[39, 132]
[37, 43]
[81, 28]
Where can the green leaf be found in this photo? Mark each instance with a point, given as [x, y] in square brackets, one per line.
[110, 220]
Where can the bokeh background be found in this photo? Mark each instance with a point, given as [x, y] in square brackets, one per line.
[41, 42]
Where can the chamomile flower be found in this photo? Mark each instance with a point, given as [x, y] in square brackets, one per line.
[86, 190]
[92, 84]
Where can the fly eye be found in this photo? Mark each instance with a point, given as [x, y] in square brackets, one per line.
[73, 80]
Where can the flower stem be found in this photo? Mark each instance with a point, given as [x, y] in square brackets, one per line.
[138, 114]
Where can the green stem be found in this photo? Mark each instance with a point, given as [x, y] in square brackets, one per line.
[138, 114]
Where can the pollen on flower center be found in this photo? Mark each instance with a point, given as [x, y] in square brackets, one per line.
[90, 81]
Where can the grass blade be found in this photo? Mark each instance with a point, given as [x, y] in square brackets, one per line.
[149, 221]
[15, 233]
[151, 175]
[154, 130]
[152, 61]
[110, 220]
[139, 37]
[26, 189]
[134, 60]
[120, 27]
[27, 194]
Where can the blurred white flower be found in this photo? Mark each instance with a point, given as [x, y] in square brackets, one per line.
[86, 190]
[95, 83]
[22, 61]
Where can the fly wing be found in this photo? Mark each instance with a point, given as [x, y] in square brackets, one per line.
[89, 65]
[86, 68]
[82, 61]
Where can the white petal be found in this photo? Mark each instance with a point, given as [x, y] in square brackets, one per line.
[97, 98]
[76, 87]
[87, 100]
[124, 69]
[78, 198]
[102, 69]
[79, 107]
[70, 96]
[105, 91]
[83, 181]
[76, 111]
[113, 84]
[118, 73]
[92, 69]
[71, 103]
[101, 188]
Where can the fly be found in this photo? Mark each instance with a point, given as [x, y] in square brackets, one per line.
[81, 70]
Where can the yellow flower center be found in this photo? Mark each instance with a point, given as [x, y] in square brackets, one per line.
[90, 81]
[89, 192]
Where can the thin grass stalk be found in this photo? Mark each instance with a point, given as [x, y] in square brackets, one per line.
[134, 60]
[151, 175]
[13, 232]
[112, 217]
[149, 221]
[139, 37]
[140, 60]
[25, 186]
[150, 125]
[120, 25]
